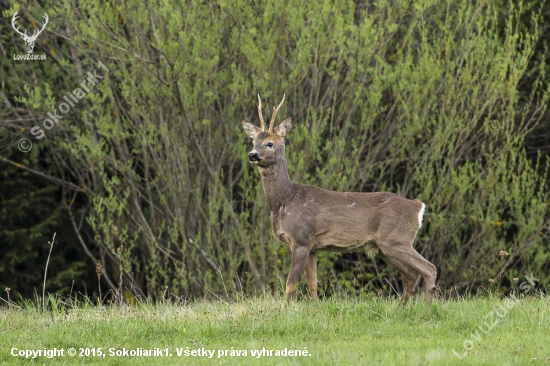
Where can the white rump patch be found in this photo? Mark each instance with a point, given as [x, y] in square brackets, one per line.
[421, 215]
[353, 204]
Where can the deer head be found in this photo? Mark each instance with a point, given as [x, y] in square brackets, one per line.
[269, 147]
[29, 40]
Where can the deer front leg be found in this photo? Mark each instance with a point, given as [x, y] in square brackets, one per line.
[311, 274]
[300, 254]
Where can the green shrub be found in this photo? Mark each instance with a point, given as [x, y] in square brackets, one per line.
[419, 98]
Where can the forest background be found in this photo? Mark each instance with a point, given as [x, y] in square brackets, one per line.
[147, 173]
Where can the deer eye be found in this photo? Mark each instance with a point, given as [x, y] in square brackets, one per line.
[269, 144]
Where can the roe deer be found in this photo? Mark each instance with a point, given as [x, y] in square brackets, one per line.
[309, 219]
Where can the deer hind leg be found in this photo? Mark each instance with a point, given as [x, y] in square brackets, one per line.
[411, 276]
[311, 274]
[300, 256]
[428, 272]
[409, 257]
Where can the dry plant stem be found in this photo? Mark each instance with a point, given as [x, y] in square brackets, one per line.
[99, 286]
[71, 293]
[46, 271]
[99, 270]
[393, 288]
[10, 304]
[8, 292]
[120, 283]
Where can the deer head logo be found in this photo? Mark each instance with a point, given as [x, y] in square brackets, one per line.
[29, 40]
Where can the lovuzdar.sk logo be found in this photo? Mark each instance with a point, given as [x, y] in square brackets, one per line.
[29, 40]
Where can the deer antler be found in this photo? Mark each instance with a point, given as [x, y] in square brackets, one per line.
[275, 114]
[13, 19]
[43, 27]
[260, 113]
[25, 36]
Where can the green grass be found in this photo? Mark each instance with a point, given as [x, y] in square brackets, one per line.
[338, 331]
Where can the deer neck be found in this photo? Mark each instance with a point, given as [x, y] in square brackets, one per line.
[277, 184]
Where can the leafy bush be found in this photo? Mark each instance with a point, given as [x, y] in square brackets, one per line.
[420, 98]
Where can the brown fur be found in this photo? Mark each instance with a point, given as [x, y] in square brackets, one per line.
[309, 219]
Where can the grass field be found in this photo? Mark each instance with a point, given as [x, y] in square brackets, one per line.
[336, 331]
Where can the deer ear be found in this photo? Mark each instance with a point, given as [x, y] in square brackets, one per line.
[251, 130]
[284, 126]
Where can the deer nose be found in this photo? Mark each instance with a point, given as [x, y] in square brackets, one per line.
[253, 156]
